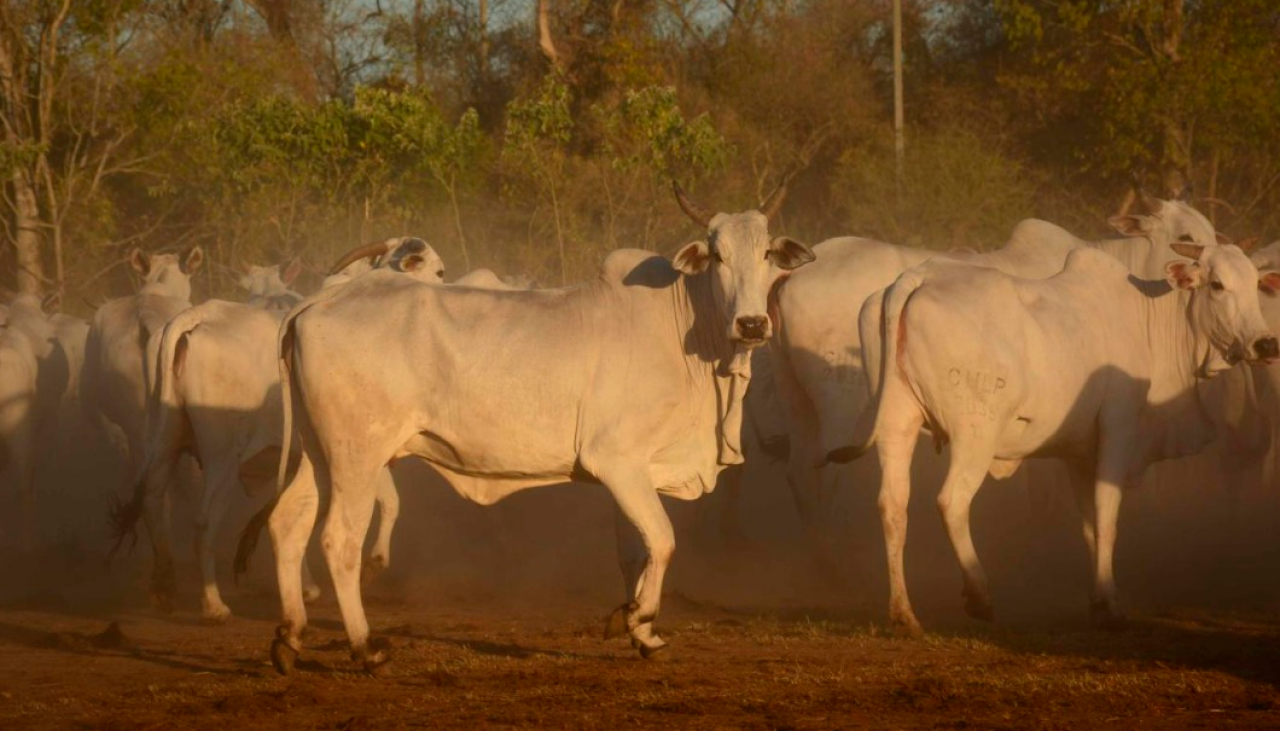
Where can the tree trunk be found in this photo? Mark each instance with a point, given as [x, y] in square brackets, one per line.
[483, 58]
[419, 43]
[452, 187]
[26, 217]
[277, 14]
[545, 42]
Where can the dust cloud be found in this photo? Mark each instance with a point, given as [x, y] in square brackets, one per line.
[1185, 541]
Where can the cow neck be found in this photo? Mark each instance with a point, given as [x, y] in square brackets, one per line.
[161, 288]
[27, 320]
[1177, 423]
[707, 351]
[1137, 254]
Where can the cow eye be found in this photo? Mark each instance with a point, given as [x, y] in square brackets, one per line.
[440, 273]
[1187, 237]
[1217, 286]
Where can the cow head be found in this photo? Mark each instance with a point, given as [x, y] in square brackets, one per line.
[1166, 221]
[167, 274]
[743, 261]
[406, 254]
[272, 281]
[1224, 309]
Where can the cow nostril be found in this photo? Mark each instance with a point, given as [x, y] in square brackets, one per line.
[1267, 348]
[752, 326]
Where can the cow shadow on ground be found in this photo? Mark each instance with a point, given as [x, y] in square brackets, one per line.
[1242, 647]
[111, 641]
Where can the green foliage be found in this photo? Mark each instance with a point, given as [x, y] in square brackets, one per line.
[182, 123]
[648, 130]
[405, 133]
[539, 127]
[961, 191]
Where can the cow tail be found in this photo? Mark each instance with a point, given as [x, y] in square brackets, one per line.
[887, 329]
[162, 424]
[253, 530]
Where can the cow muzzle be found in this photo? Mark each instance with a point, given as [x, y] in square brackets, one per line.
[1266, 349]
[751, 329]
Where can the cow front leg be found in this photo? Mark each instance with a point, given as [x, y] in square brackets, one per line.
[1082, 487]
[290, 526]
[1112, 463]
[639, 503]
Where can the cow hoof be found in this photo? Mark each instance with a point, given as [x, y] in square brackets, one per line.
[654, 650]
[907, 629]
[216, 615]
[1103, 616]
[163, 602]
[374, 655]
[283, 656]
[310, 594]
[371, 568]
[979, 607]
[616, 626]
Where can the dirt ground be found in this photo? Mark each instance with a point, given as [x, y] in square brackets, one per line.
[540, 666]
[495, 616]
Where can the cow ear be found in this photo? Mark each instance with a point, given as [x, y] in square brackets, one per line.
[1184, 274]
[140, 262]
[1248, 243]
[291, 271]
[692, 258]
[1129, 225]
[1191, 251]
[787, 253]
[1269, 282]
[191, 263]
[412, 262]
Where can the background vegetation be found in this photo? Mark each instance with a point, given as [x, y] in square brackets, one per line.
[532, 136]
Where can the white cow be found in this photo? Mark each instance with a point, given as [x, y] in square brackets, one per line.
[817, 350]
[269, 287]
[634, 380]
[120, 348]
[1246, 399]
[1093, 365]
[26, 344]
[218, 399]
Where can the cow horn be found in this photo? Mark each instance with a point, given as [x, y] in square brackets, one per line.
[773, 203]
[700, 215]
[377, 248]
[1219, 202]
[1146, 205]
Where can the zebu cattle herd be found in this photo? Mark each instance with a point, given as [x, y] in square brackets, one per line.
[1108, 356]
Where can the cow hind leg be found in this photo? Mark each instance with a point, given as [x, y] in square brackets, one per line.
[970, 461]
[900, 428]
[388, 500]
[290, 526]
[639, 503]
[155, 515]
[352, 497]
[219, 486]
